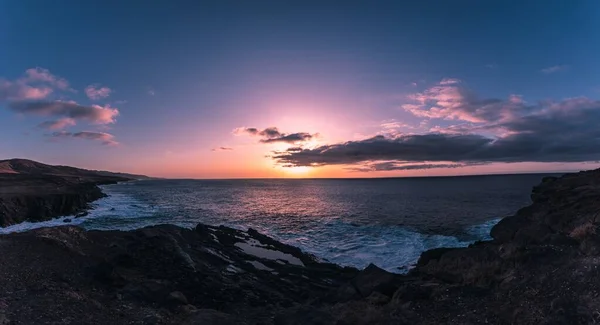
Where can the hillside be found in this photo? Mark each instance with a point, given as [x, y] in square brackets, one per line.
[30, 167]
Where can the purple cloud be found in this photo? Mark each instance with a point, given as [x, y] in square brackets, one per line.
[104, 138]
[41, 75]
[97, 92]
[57, 124]
[93, 114]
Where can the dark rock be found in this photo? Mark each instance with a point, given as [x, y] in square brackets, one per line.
[377, 298]
[82, 214]
[177, 297]
[303, 316]
[373, 278]
[432, 254]
[413, 292]
[211, 317]
[67, 220]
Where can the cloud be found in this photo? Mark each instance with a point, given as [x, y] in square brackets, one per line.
[57, 124]
[554, 69]
[93, 114]
[449, 81]
[490, 130]
[35, 84]
[392, 165]
[272, 135]
[222, 149]
[42, 75]
[451, 100]
[96, 92]
[29, 95]
[104, 138]
[12, 91]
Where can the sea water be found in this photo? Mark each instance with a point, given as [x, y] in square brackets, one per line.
[354, 222]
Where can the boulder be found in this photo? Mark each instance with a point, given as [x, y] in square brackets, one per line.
[373, 278]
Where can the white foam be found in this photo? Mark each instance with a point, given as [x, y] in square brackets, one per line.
[392, 248]
[24, 226]
[116, 211]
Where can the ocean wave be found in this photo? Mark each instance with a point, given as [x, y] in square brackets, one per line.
[340, 241]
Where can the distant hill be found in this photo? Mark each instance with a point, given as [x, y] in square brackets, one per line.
[30, 167]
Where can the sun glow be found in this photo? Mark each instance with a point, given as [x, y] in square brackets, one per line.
[298, 170]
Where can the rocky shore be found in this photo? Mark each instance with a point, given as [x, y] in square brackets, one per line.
[31, 191]
[542, 267]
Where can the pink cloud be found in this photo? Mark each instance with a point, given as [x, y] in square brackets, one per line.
[96, 92]
[36, 84]
[58, 124]
[13, 91]
[450, 100]
[43, 75]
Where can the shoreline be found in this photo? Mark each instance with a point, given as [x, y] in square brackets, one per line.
[46, 197]
[390, 258]
[218, 275]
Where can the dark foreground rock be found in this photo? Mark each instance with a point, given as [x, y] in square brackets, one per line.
[541, 268]
[156, 275]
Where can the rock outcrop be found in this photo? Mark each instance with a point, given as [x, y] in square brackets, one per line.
[32, 191]
[156, 275]
[39, 198]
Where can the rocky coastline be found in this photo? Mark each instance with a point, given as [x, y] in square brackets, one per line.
[32, 191]
[39, 198]
[542, 267]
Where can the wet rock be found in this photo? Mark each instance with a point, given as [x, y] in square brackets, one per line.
[67, 220]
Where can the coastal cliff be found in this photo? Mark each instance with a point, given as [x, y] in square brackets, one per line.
[542, 267]
[32, 191]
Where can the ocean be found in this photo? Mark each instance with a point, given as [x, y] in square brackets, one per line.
[353, 222]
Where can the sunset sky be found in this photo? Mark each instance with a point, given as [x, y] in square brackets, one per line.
[221, 89]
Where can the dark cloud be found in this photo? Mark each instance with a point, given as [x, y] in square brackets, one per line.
[222, 149]
[289, 138]
[565, 131]
[94, 114]
[104, 138]
[272, 135]
[392, 165]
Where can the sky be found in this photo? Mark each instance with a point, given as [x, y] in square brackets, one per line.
[245, 89]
